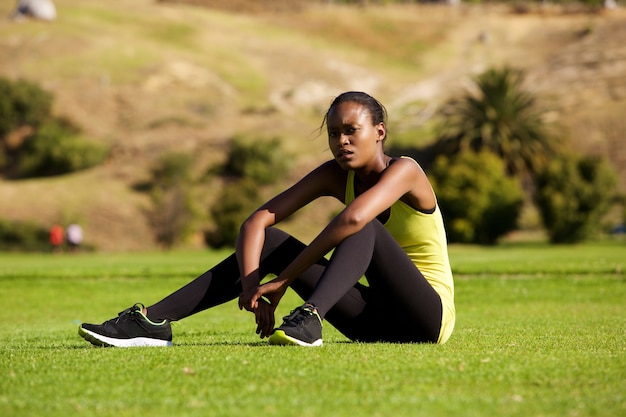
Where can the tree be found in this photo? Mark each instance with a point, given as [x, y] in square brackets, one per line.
[499, 116]
[573, 193]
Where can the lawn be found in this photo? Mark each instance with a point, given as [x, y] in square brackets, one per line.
[541, 331]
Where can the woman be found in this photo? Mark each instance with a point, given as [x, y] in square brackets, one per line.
[391, 231]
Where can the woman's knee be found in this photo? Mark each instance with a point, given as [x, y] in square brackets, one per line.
[372, 230]
[276, 236]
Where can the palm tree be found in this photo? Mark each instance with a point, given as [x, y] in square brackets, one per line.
[501, 117]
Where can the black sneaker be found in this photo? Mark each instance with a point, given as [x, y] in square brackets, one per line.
[302, 327]
[130, 328]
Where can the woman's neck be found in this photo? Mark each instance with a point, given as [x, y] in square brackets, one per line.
[370, 175]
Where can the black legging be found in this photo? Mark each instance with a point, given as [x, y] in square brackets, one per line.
[399, 305]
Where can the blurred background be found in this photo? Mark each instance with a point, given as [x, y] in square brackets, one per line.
[162, 124]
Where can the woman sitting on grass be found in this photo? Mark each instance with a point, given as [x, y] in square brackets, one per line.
[391, 231]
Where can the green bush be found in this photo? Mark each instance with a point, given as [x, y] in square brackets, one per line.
[478, 201]
[171, 169]
[33, 143]
[235, 203]
[172, 213]
[254, 164]
[23, 236]
[22, 103]
[261, 160]
[573, 194]
[55, 149]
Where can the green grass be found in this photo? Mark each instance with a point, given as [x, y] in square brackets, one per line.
[540, 332]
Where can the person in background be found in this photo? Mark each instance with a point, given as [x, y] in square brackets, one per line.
[57, 236]
[74, 236]
[391, 231]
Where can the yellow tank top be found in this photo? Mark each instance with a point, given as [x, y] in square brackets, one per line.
[423, 238]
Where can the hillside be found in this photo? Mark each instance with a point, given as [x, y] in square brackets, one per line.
[148, 77]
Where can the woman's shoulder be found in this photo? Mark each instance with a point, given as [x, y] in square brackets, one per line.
[331, 177]
[407, 160]
[406, 164]
[331, 168]
[335, 173]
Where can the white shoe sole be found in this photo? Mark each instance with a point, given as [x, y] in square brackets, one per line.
[279, 337]
[99, 340]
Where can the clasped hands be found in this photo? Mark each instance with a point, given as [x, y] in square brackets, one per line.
[262, 301]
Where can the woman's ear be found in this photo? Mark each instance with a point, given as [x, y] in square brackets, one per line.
[382, 132]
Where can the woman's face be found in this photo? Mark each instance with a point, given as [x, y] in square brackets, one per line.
[354, 141]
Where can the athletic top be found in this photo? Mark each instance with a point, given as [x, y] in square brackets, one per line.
[423, 238]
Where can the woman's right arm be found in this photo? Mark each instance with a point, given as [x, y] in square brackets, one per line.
[322, 181]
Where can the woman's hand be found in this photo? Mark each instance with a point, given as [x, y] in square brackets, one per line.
[264, 315]
[262, 300]
[272, 291]
[248, 298]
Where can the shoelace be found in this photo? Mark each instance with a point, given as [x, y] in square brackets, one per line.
[296, 317]
[132, 312]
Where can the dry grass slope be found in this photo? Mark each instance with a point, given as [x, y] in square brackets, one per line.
[148, 77]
